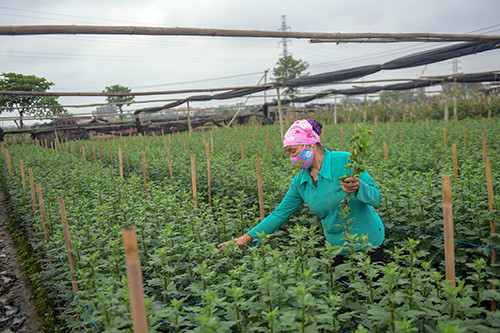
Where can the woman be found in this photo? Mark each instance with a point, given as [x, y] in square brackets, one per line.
[318, 185]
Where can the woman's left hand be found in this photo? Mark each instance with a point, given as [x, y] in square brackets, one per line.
[350, 185]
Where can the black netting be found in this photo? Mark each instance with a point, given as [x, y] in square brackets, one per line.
[331, 77]
[409, 85]
[440, 54]
[471, 78]
[200, 98]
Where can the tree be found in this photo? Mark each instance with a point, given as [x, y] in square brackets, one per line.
[29, 105]
[119, 101]
[288, 68]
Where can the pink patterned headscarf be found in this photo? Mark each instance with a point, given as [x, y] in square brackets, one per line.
[300, 133]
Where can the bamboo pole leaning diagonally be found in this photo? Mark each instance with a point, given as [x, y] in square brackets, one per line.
[67, 237]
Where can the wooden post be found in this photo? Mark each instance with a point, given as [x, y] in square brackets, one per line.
[83, 152]
[148, 140]
[491, 205]
[93, 153]
[489, 114]
[67, 237]
[7, 157]
[341, 133]
[134, 275]
[126, 154]
[385, 151]
[211, 142]
[388, 126]
[100, 153]
[144, 174]
[32, 185]
[268, 144]
[110, 154]
[208, 173]
[465, 134]
[23, 179]
[42, 212]
[120, 161]
[280, 112]
[241, 146]
[485, 154]
[190, 129]
[449, 246]
[455, 161]
[371, 129]
[193, 178]
[170, 162]
[260, 189]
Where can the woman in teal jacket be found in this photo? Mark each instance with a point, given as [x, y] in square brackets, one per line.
[318, 185]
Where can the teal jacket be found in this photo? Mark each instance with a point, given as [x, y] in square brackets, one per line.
[324, 201]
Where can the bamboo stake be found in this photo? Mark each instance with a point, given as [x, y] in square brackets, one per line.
[489, 114]
[241, 146]
[260, 189]
[120, 161]
[465, 134]
[23, 177]
[67, 237]
[485, 154]
[455, 161]
[7, 157]
[341, 133]
[208, 174]
[448, 230]
[83, 152]
[144, 173]
[388, 126]
[193, 178]
[491, 205]
[268, 144]
[400, 134]
[385, 151]
[42, 212]
[170, 162]
[165, 140]
[134, 275]
[126, 154]
[32, 186]
[110, 154]
[211, 142]
[93, 153]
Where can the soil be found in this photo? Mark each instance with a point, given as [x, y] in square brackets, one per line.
[17, 310]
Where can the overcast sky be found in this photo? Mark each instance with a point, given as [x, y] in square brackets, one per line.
[91, 62]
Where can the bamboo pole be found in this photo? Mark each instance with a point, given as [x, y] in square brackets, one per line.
[7, 157]
[485, 153]
[67, 237]
[110, 154]
[126, 154]
[455, 161]
[42, 212]
[280, 112]
[341, 133]
[449, 245]
[211, 142]
[134, 275]
[260, 189]
[169, 162]
[193, 178]
[465, 134]
[120, 161]
[32, 186]
[209, 182]
[491, 206]
[23, 177]
[144, 173]
[333, 37]
[93, 153]
[385, 151]
[268, 144]
[83, 153]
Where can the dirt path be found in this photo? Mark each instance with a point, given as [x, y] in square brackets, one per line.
[17, 311]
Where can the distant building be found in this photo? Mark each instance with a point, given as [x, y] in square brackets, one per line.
[108, 111]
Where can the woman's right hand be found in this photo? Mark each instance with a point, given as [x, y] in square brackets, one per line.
[242, 242]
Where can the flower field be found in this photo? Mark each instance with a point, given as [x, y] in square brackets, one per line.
[284, 284]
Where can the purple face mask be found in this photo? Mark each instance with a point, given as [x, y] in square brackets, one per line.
[304, 159]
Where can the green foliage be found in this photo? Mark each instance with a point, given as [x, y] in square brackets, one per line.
[287, 283]
[35, 104]
[119, 101]
[288, 68]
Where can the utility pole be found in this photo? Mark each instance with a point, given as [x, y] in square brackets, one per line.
[284, 41]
